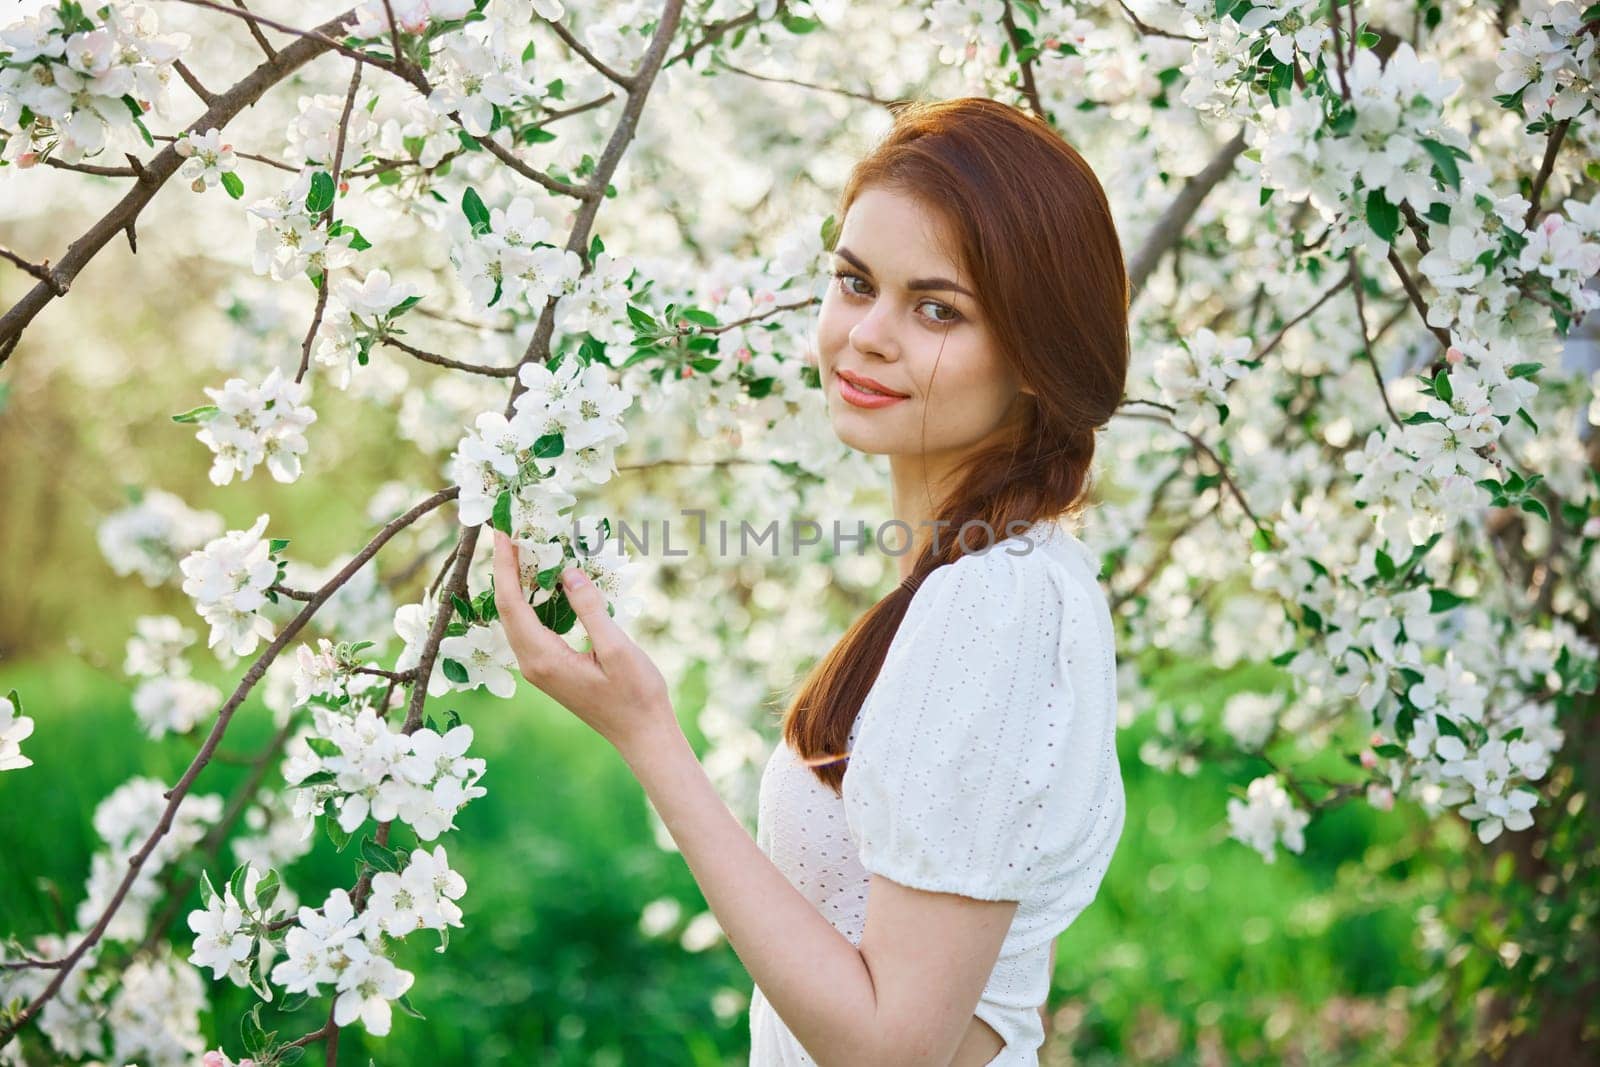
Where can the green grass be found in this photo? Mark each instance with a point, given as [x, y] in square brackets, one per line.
[1193, 941]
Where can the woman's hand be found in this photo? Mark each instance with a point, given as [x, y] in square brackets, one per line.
[614, 687]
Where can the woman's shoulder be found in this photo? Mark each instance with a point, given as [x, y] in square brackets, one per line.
[996, 574]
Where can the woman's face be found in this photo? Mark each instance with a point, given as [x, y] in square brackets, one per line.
[897, 309]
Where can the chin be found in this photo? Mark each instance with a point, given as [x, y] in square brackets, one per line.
[863, 439]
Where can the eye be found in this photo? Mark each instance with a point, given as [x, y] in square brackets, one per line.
[844, 278]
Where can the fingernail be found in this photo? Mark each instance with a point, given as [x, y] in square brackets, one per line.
[574, 579]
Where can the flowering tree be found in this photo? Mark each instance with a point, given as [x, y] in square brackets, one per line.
[1350, 444]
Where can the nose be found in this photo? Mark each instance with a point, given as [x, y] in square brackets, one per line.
[874, 334]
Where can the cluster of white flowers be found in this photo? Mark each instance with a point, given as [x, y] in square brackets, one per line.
[206, 158]
[1396, 108]
[1249, 718]
[338, 947]
[73, 1020]
[514, 260]
[362, 765]
[1548, 60]
[228, 928]
[290, 239]
[358, 313]
[574, 408]
[313, 134]
[228, 580]
[73, 82]
[154, 1014]
[598, 303]
[473, 75]
[15, 728]
[124, 820]
[410, 16]
[1266, 818]
[255, 424]
[1193, 376]
[150, 536]
[168, 700]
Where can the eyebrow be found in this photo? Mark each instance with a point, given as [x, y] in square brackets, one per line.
[915, 283]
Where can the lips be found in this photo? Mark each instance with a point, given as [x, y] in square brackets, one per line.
[869, 385]
[857, 395]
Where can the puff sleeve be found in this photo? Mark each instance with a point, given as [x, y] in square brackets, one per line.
[958, 780]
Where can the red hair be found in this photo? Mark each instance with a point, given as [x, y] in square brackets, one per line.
[1035, 234]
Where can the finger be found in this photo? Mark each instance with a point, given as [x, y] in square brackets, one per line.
[589, 604]
[533, 642]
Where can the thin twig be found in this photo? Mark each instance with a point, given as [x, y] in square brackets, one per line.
[1153, 31]
[207, 97]
[41, 271]
[1277, 338]
[1030, 88]
[445, 361]
[622, 81]
[327, 224]
[854, 94]
[255, 31]
[1354, 277]
[1415, 294]
[1552, 146]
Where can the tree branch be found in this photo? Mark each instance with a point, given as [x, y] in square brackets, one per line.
[175, 795]
[157, 171]
[1169, 228]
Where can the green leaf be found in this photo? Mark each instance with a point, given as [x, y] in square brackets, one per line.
[1391, 751]
[276, 545]
[477, 214]
[830, 233]
[208, 892]
[233, 184]
[320, 196]
[236, 883]
[464, 608]
[1536, 506]
[702, 318]
[1444, 599]
[380, 856]
[1441, 386]
[557, 614]
[1445, 161]
[642, 320]
[336, 833]
[405, 1005]
[1261, 540]
[549, 446]
[455, 672]
[322, 746]
[1385, 564]
[1524, 370]
[501, 519]
[199, 414]
[1382, 216]
[1447, 727]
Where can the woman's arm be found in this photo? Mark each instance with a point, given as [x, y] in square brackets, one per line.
[906, 996]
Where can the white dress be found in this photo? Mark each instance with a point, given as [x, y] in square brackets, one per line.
[983, 762]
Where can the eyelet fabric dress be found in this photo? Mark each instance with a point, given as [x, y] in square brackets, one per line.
[983, 762]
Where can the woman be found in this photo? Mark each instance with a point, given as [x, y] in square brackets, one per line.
[947, 797]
